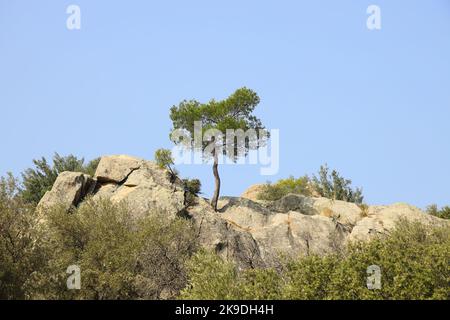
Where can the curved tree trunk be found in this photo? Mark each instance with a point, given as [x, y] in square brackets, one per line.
[215, 197]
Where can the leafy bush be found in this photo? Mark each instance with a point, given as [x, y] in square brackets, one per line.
[19, 255]
[119, 257]
[273, 192]
[443, 213]
[210, 278]
[192, 189]
[37, 181]
[327, 185]
[333, 186]
[164, 160]
[413, 260]
[214, 279]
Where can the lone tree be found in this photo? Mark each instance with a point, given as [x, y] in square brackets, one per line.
[212, 121]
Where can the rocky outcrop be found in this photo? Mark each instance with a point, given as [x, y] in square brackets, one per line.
[224, 237]
[250, 233]
[288, 233]
[116, 169]
[140, 183]
[382, 219]
[68, 190]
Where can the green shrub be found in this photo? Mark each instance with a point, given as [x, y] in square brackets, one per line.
[328, 185]
[283, 187]
[260, 284]
[214, 279]
[333, 186]
[414, 262]
[120, 257]
[443, 213]
[37, 181]
[309, 277]
[192, 189]
[164, 159]
[210, 278]
[19, 255]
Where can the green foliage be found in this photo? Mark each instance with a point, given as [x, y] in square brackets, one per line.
[19, 256]
[414, 262]
[217, 118]
[212, 278]
[163, 158]
[234, 113]
[328, 185]
[37, 181]
[333, 186]
[260, 284]
[283, 187]
[310, 277]
[443, 213]
[120, 257]
[192, 188]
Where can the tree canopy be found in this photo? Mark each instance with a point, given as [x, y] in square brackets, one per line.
[217, 119]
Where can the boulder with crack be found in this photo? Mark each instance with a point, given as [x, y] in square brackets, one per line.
[140, 183]
[68, 190]
[223, 237]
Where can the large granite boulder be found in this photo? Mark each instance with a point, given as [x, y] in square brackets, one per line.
[141, 184]
[288, 233]
[253, 191]
[225, 237]
[68, 190]
[116, 169]
[383, 219]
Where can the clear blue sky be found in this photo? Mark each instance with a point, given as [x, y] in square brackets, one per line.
[373, 104]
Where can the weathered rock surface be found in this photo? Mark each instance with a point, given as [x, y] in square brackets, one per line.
[251, 233]
[382, 219]
[344, 212]
[139, 183]
[68, 190]
[116, 169]
[277, 233]
[224, 237]
[252, 192]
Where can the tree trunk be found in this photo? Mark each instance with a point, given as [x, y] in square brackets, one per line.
[215, 197]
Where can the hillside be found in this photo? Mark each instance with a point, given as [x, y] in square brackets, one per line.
[245, 231]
